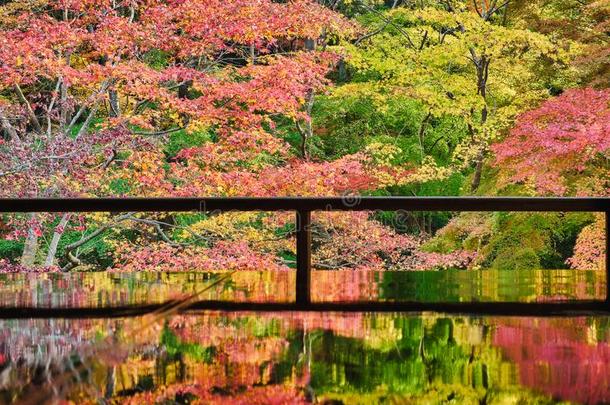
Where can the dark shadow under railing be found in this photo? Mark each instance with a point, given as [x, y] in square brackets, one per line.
[304, 206]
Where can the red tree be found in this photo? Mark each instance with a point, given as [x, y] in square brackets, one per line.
[566, 135]
[563, 147]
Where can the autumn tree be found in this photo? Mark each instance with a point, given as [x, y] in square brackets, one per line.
[176, 98]
[562, 148]
[457, 60]
[585, 22]
[90, 90]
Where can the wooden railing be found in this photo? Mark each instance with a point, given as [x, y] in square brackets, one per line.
[303, 207]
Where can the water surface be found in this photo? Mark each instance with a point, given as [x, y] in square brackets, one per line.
[98, 289]
[303, 357]
[292, 357]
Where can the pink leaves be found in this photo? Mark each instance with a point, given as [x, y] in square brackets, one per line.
[8, 267]
[225, 255]
[590, 249]
[563, 136]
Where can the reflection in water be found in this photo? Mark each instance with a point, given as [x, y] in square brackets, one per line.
[556, 355]
[304, 357]
[113, 288]
[248, 358]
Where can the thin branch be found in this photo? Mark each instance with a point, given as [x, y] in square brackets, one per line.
[159, 133]
[28, 107]
[423, 40]
[58, 87]
[390, 22]
[94, 97]
[371, 34]
[73, 259]
[435, 142]
[110, 159]
[157, 226]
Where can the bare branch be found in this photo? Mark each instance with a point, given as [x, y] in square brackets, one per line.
[93, 98]
[28, 107]
[371, 34]
[159, 133]
[390, 22]
[58, 87]
[73, 260]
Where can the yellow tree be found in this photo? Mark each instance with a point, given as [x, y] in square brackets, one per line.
[457, 60]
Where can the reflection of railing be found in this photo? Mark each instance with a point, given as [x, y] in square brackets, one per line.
[303, 208]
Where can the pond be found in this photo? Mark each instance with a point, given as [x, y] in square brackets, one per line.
[294, 357]
[99, 289]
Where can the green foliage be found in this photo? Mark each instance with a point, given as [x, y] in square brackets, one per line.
[424, 364]
[411, 83]
[120, 186]
[95, 125]
[97, 252]
[156, 58]
[534, 240]
[520, 259]
[180, 140]
[513, 240]
[176, 349]
[451, 186]
[10, 249]
[462, 78]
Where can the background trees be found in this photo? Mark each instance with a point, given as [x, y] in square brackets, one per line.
[265, 98]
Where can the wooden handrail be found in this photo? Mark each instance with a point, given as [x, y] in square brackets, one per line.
[348, 203]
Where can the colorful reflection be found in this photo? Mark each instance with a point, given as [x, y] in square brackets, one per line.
[98, 289]
[287, 358]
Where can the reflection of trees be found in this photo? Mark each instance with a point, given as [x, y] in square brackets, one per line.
[106, 288]
[300, 356]
[36, 352]
[566, 358]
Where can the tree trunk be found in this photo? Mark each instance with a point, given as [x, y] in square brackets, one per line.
[6, 125]
[306, 132]
[183, 89]
[252, 53]
[55, 240]
[342, 71]
[482, 66]
[421, 133]
[30, 249]
[63, 98]
[63, 105]
[310, 44]
[476, 180]
[31, 115]
[110, 382]
[115, 107]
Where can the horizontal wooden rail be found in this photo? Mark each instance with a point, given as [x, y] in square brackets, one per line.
[349, 203]
[304, 206]
[556, 309]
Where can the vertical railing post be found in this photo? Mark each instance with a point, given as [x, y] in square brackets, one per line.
[303, 281]
[607, 257]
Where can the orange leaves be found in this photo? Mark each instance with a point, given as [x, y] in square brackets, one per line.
[223, 256]
[111, 81]
[100, 40]
[211, 25]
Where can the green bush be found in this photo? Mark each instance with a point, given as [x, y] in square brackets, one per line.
[10, 249]
[506, 240]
